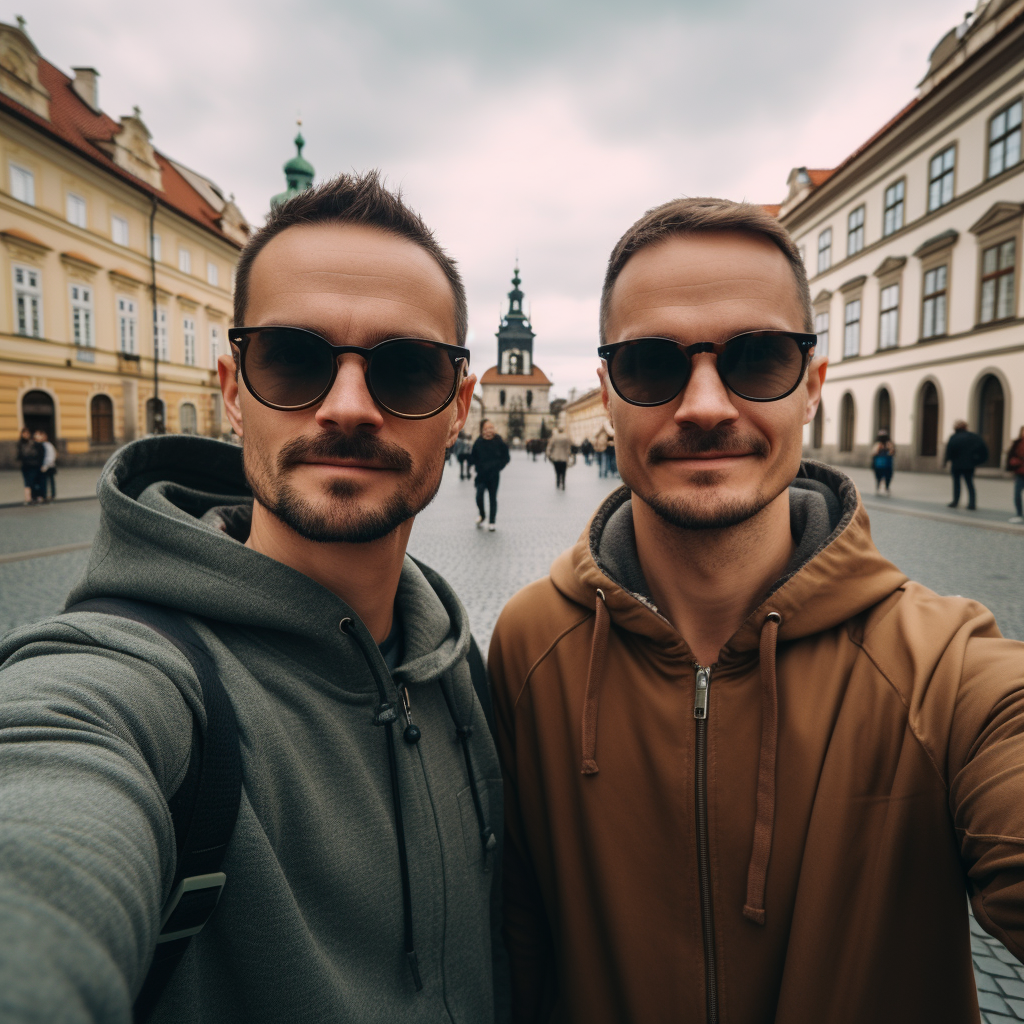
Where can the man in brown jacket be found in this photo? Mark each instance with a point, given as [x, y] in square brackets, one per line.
[750, 767]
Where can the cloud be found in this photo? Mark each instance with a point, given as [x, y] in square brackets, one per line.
[539, 127]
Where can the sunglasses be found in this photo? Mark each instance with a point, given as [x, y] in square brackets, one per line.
[289, 368]
[761, 366]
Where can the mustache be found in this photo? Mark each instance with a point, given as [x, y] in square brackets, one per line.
[691, 442]
[365, 447]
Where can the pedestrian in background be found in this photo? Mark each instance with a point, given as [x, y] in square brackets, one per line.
[559, 452]
[48, 470]
[587, 450]
[965, 451]
[1015, 464]
[489, 457]
[600, 452]
[462, 449]
[881, 460]
[30, 455]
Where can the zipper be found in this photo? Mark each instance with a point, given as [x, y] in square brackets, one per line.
[700, 713]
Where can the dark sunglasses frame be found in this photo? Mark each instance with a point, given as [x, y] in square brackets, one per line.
[805, 342]
[240, 337]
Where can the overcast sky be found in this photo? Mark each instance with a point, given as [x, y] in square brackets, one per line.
[544, 126]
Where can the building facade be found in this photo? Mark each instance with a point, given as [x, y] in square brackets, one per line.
[584, 416]
[913, 249]
[515, 391]
[98, 228]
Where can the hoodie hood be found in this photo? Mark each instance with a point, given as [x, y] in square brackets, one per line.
[833, 542]
[162, 538]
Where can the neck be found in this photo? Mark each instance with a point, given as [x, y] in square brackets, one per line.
[706, 582]
[364, 576]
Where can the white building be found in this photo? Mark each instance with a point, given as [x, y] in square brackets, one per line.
[913, 250]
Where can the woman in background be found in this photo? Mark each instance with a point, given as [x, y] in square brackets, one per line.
[881, 460]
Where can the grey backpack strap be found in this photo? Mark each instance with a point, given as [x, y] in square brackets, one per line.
[204, 809]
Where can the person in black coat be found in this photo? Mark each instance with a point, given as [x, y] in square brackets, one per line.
[964, 451]
[30, 455]
[489, 457]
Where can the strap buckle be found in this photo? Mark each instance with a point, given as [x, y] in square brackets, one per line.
[190, 906]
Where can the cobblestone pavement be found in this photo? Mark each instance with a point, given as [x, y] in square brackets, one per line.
[536, 523]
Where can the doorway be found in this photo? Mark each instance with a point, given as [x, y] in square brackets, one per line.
[847, 416]
[101, 410]
[37, 413]
[929, 443]
[990, 417]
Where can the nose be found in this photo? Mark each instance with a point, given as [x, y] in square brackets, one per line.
[706, 401]
[349, 406]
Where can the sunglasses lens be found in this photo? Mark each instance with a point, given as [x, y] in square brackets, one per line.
[650, 371]
[288, 368]
[412, 378]
[763, 365]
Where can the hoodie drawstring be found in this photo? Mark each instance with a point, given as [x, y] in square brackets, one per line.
[385, 714]
[592, 694]
[764, 821]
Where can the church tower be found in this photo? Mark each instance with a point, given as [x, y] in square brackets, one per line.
[515, 392]
[298, 173]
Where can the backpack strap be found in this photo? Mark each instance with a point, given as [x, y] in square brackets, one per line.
[204, 808]
[478, 673]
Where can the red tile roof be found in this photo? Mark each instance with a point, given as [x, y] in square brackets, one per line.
[820, 175]
[535, 378]
[76, 125]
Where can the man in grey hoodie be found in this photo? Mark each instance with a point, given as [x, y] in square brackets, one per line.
[360, 873]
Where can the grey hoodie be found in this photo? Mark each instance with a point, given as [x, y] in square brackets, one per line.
[95, 732]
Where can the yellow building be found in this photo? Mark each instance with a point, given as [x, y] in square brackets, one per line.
[584, 416]
[98, 229]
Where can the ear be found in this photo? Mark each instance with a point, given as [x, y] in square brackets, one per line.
[227, 371]
[462, 404]
[602, 373]
[815, 379]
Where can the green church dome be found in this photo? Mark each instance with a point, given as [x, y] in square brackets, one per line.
[298, 173]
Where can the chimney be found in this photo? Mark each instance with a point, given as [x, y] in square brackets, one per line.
[86, 87]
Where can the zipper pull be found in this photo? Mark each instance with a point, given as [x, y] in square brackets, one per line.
[700, 702]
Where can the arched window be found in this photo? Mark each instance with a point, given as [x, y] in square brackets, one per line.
[847, 416]
[529, 399]
[189, 421]
[817, 427]
[929, 443]
[101, 412]
[37, 412]
[883, 411]
[501, 396]
[156, 416]
[990, 417]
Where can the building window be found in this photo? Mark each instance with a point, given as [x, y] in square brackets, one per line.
[101, 410]
[940, 178]
[1004, 139]
[214, 345]
[997, 277]
[933, 319]
[161, 334]
[82, 317]
[28, 302]
[889, 321]
[185, 261]
[894, 207]
[127, 325]
[189, 420]
[824, 250]
[189, 328]
[76, 210]
[119, 230]
[851, 329]
[212, 274]
[23, 184]
[821, 330]
[155, 248]
[855, 231]
[155, 416]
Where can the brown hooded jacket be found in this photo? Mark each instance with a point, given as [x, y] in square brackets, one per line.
[788, 838]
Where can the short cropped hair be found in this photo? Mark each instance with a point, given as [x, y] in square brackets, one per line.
[351, 199]
[704, 216]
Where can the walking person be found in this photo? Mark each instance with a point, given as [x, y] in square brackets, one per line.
[30, 455]
[600, 452]
[559, 452]
[489, 457]
[462, 449]
[587, 450]
[1015, 464]
[354, 792]
[48, 469]
[965, 451]
[750, 767]
[882, 455]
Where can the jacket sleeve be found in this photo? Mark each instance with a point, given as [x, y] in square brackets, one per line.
[985, 766]
[92, 737]
[506, 458]
[527, 931]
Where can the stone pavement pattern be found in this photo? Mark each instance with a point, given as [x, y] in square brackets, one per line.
[536, 523]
